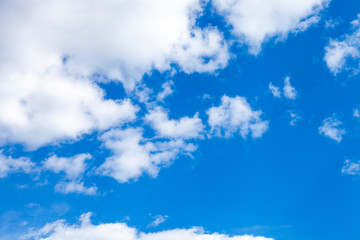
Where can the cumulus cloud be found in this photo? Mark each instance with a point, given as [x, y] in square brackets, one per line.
[51, 64]
[235, 115]
[60, 230]
[47, 107]
[13, 165]
[351, 168]
[73, 167]
[185, 127]
[133, 154]
[255, 22]
[340, 51]
[332, 128]
[289, 91]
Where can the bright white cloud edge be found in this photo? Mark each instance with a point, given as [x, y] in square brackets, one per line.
[60, 230]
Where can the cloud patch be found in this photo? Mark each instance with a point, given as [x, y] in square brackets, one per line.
[235, 115]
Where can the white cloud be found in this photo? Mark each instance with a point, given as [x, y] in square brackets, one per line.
[294, 118]
[106, 37]
[133, 154]
[332, 128]
[73, 167]
[275, 90]
[289, 91]
[167, 91]
[47, 88]
[351, 168]
[331, 23]
[235, 115]
[185, 127]
[339, 51]
[74, 186]
[256, 21]
[51, 106]
[60, 230]
[356, 113]
[159, 219]
[13, 165]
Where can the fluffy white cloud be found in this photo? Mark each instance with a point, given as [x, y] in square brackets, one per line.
[133, 154]
[289, 91]
[74, 186]
[45, 107]
[60, 230]
[351, 168]
[13, 165]
[52, 50]
[105, 37]
[256, 21]
[332, 128]
[339, 51]
[73, 167]
[275, 90]
[185, 127]
[235, 115]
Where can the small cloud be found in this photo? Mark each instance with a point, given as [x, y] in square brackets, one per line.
[331, 23]
[294, 118]
[275, 90]
[75, 187]
[167, 91]
[351, 168]
[159, 219]
[205, 97]
[332, 128]
[289, 91]
[356, 113]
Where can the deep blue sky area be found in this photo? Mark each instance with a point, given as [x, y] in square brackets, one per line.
[286, 184]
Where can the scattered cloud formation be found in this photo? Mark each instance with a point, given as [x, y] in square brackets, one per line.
[235, 115]
[294, 117]
[133, 154]
[332, 128]
[255, 22]
[351, 168]
[60, 230]
[13, 165]
[159, 219]
[340, 51]
[275, 90]
[289, 91]
[74, 168]
[185, 127]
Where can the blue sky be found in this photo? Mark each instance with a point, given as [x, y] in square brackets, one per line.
[184, 119]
